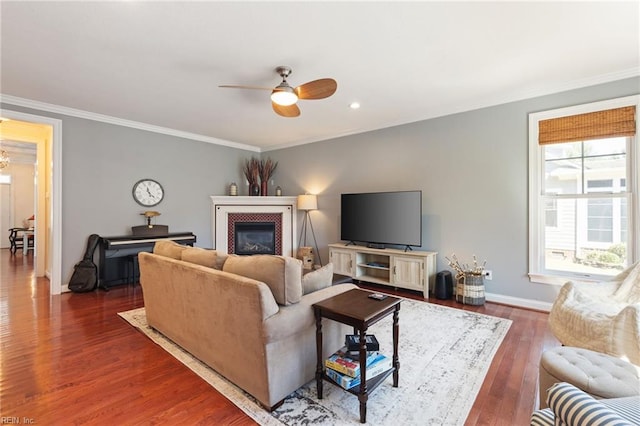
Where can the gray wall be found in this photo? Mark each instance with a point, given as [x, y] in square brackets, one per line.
[472, 168]
[101, 162]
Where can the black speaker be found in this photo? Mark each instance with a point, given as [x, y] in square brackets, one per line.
[444, 285]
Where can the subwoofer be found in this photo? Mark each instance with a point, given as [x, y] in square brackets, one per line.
[444, 285]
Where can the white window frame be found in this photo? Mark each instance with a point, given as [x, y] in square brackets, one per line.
[537, 273]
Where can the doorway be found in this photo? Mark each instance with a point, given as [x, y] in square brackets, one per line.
[46, 133]
[18, 186]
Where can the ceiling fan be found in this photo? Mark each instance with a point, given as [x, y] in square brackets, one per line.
[284, 97]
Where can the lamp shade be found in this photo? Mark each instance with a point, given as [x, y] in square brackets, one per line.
[307, 202]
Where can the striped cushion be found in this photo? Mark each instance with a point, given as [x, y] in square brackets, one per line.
[627, 408]
[574, 407]
[543, 418]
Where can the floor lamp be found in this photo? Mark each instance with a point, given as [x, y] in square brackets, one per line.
[307, 203]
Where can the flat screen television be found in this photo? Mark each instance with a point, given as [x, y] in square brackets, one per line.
[379, 218]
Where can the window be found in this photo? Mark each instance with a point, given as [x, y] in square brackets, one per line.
[580, 160]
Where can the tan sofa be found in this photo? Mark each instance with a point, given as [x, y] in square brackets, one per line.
[252, 321]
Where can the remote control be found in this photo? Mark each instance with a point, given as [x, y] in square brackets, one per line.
[377, 296]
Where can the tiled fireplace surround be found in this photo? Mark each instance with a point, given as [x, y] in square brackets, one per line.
[227, 210]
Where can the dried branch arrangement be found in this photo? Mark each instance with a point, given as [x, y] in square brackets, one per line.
[462, 269]
[267, 168]
[251, 170]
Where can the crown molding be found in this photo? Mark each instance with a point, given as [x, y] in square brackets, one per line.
[72, 112]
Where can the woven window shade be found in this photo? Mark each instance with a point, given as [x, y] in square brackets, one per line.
[593, 125]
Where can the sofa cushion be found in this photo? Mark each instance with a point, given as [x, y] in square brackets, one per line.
[168, 248]
[282, 274]
[318, 279]
[200, 256]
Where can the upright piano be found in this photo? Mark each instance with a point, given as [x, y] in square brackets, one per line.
[116, 252]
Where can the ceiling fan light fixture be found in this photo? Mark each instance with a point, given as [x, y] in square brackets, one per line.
[284, 95]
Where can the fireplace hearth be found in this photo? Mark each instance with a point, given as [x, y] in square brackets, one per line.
[255, 238]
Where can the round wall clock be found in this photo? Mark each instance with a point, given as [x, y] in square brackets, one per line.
[147, 192]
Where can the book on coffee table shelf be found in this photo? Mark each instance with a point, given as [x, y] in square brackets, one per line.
[345, 363]
[353, 342]
[379, 365]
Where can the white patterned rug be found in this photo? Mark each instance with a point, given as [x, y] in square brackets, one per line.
[445, 354]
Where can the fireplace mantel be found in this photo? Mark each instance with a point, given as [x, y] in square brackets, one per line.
[222, 206]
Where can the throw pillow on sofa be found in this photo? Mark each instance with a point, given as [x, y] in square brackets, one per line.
[169, 248]
[318, 279]
[282, 274]
[200, 256]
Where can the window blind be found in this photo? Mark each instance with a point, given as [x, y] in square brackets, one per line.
[593, 125]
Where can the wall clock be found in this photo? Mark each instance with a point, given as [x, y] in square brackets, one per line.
[147, 192]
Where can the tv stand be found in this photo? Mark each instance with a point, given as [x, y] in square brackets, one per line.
[414, 270]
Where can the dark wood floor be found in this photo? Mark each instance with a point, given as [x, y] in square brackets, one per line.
[69, 359]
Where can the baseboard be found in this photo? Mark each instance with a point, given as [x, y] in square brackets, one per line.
[519, 302]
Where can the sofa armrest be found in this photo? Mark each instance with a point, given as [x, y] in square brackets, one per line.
[293, 319]
[572, 406]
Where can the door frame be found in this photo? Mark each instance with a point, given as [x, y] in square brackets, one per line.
[55, 198]
[4, 231]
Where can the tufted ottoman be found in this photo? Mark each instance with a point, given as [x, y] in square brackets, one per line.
[600, 375]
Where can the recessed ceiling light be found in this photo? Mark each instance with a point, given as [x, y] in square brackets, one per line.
[354, 105]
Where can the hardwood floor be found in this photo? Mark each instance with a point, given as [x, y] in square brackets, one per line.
[69, 359]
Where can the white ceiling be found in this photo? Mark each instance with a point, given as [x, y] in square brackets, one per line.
[160, 63]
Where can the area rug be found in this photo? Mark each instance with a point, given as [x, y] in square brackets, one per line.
[444, 353]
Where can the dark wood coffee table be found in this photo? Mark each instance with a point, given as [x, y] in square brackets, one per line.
[355, 308]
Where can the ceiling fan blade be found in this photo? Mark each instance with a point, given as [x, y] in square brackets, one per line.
[286, 111]
[317, 89]
[232, 86]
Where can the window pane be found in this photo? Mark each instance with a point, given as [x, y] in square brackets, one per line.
[563, 150]
[601, 163]
[604, 173]
[590, 236]
[605, 146]
[563, 176]
[551, 213]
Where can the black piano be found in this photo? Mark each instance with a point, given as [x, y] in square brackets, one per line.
[118, 254]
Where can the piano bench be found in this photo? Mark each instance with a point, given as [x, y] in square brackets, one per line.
[131, 263]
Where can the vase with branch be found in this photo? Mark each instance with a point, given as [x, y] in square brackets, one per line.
[251, 170]
[267, 168]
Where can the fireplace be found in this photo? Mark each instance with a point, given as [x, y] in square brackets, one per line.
[254, 238]
[258, 220]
